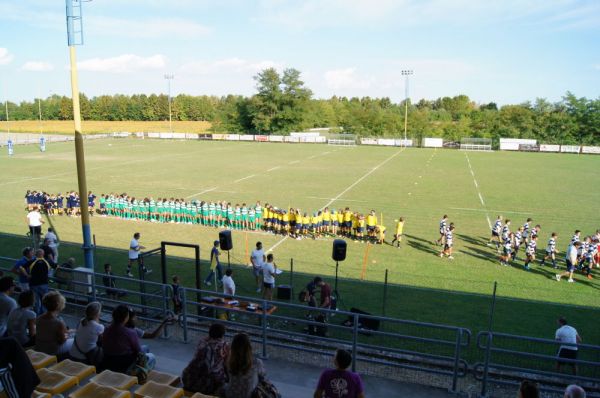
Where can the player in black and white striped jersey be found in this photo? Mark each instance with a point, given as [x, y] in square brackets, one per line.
[507, 249]
[448, 242]
[576, 236]
[518, 238]
[551, 250]
[530, 251]
[526, 227]
[443, 229]
[496, 230]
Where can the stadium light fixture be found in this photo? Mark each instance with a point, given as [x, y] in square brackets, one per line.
[406, 73]
[75, 38]
[169, 77]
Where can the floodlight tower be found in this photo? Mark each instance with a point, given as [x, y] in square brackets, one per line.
[406, 73]
[75, 38]
[170, 77]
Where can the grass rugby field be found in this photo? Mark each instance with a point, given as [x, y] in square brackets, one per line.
[418, 184]
[107, 126]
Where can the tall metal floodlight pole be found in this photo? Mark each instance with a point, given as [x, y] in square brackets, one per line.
[170, 77]
[75, 38]
[406, 73]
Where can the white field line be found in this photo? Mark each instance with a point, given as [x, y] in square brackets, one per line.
[487, 217]
[492, 210]
[243, 178]
[250, 176]
[346, 200]
[368, 173]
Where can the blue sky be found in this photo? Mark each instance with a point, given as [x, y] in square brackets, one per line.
[506, 51]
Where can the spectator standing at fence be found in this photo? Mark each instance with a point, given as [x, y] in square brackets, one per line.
[215, 264]
[340, 382]
[7, 303]
[257, 258]
[52, 242]
[177, 295]
[35, 221]
[228, 283]
[134, 255]
[109, 282]
[21, 320]
[269, 270]
[21, 268]
[48, 253]
[325, 294]
[206, 371]
[38, 279]
[528, 389]
[567, 335]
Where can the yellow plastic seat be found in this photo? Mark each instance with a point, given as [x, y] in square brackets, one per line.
[72, 368]
[40, 360]
[54, 382]
[119, 381]
[163, 378]
[37, 394]
[200, 395]
[93, 390]
[155, 390]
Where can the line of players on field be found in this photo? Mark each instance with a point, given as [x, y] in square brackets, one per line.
[582, 253]
[292, 222]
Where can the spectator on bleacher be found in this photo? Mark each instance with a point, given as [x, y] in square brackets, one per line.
[567, 335]
[38, 279]
[88, 336]
[52, 335]
[63, 275]
[228, 283]
[340, 382]
[574, 391]
[21, 320]
[243, 369]
[7, 303]
[52, 242]
[121, 344]
[108, 280]
[206, 371]
[21, 268]
[23, 375]
[528, 389]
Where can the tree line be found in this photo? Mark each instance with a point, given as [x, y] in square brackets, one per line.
[283, 104]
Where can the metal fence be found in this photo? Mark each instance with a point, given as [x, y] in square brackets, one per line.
[497, 359]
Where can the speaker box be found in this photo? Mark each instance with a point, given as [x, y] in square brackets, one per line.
[284, 292]
[339, 250]
[363, 322]
[225, 240]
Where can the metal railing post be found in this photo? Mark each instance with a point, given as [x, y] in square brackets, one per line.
[354, 341]
[459, 333]
[184, 314]
[165, 294]
[93, 285]
[486, 365]
[264, 329]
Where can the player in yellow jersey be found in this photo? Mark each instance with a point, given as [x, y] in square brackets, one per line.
[305, 224]
[371, 224]
[398, 234]
[340, 220]
[360, 227]
[285, 222]
[347, 228]
[354, 224]
[326, 221]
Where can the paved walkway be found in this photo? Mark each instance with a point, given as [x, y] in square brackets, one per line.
[293, 380]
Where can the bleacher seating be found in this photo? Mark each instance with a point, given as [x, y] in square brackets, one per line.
[72, 368]
[54, 382]
[155, 390]
[119, 381]
[40, 360]
[164, 378]
[93, 390]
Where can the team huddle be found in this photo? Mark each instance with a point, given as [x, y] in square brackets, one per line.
[222, 214]
[582, 253]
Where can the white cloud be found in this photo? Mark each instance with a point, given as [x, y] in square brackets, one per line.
[37, 66]
[5, 56]
[125, 63]
[152, 28]
[227, 65]
[345, 79]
